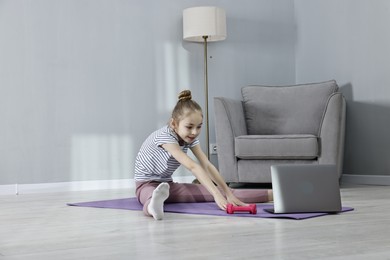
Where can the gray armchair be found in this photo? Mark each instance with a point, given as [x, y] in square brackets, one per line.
[298, 124]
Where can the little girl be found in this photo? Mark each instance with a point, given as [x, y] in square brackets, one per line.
[166, 149]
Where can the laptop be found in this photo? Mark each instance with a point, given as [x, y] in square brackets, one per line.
[305, 188]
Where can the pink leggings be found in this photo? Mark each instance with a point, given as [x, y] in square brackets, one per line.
[189, 192]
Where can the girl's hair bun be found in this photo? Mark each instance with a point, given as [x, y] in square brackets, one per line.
[185, 95]
[184, 106]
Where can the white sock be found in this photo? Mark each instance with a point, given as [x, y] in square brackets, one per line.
[156, 205]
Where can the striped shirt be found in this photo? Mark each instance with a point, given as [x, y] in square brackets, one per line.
[153, 162]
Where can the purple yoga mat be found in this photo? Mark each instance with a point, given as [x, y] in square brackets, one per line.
[201, 208]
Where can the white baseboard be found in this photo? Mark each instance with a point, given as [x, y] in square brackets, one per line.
[15, 189]
[366, 179]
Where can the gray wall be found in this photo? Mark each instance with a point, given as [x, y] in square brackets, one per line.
[82, 83]
[349, 41]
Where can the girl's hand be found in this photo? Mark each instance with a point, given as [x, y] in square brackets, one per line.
[221, 201]
[233, 200]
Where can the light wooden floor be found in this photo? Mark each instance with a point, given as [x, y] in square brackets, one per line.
[41, 226]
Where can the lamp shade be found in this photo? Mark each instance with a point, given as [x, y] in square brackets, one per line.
[202, 21]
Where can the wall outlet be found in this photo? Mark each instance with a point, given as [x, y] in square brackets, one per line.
[213, 149]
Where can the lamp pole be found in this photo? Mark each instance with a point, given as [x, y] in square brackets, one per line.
[206, 91]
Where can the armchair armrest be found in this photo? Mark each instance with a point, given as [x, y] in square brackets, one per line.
[332, 131]
[229, 123]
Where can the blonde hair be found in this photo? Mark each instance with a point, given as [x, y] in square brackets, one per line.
[184, 106]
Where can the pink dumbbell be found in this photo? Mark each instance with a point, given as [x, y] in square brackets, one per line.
[230, 209]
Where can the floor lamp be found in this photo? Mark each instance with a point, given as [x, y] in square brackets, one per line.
[204, 24]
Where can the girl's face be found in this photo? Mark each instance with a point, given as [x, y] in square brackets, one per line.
[188, 128]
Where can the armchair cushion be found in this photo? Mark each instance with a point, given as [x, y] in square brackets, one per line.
[276, 147]
[286, 109]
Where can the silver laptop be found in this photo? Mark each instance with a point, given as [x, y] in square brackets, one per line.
[305, 189]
